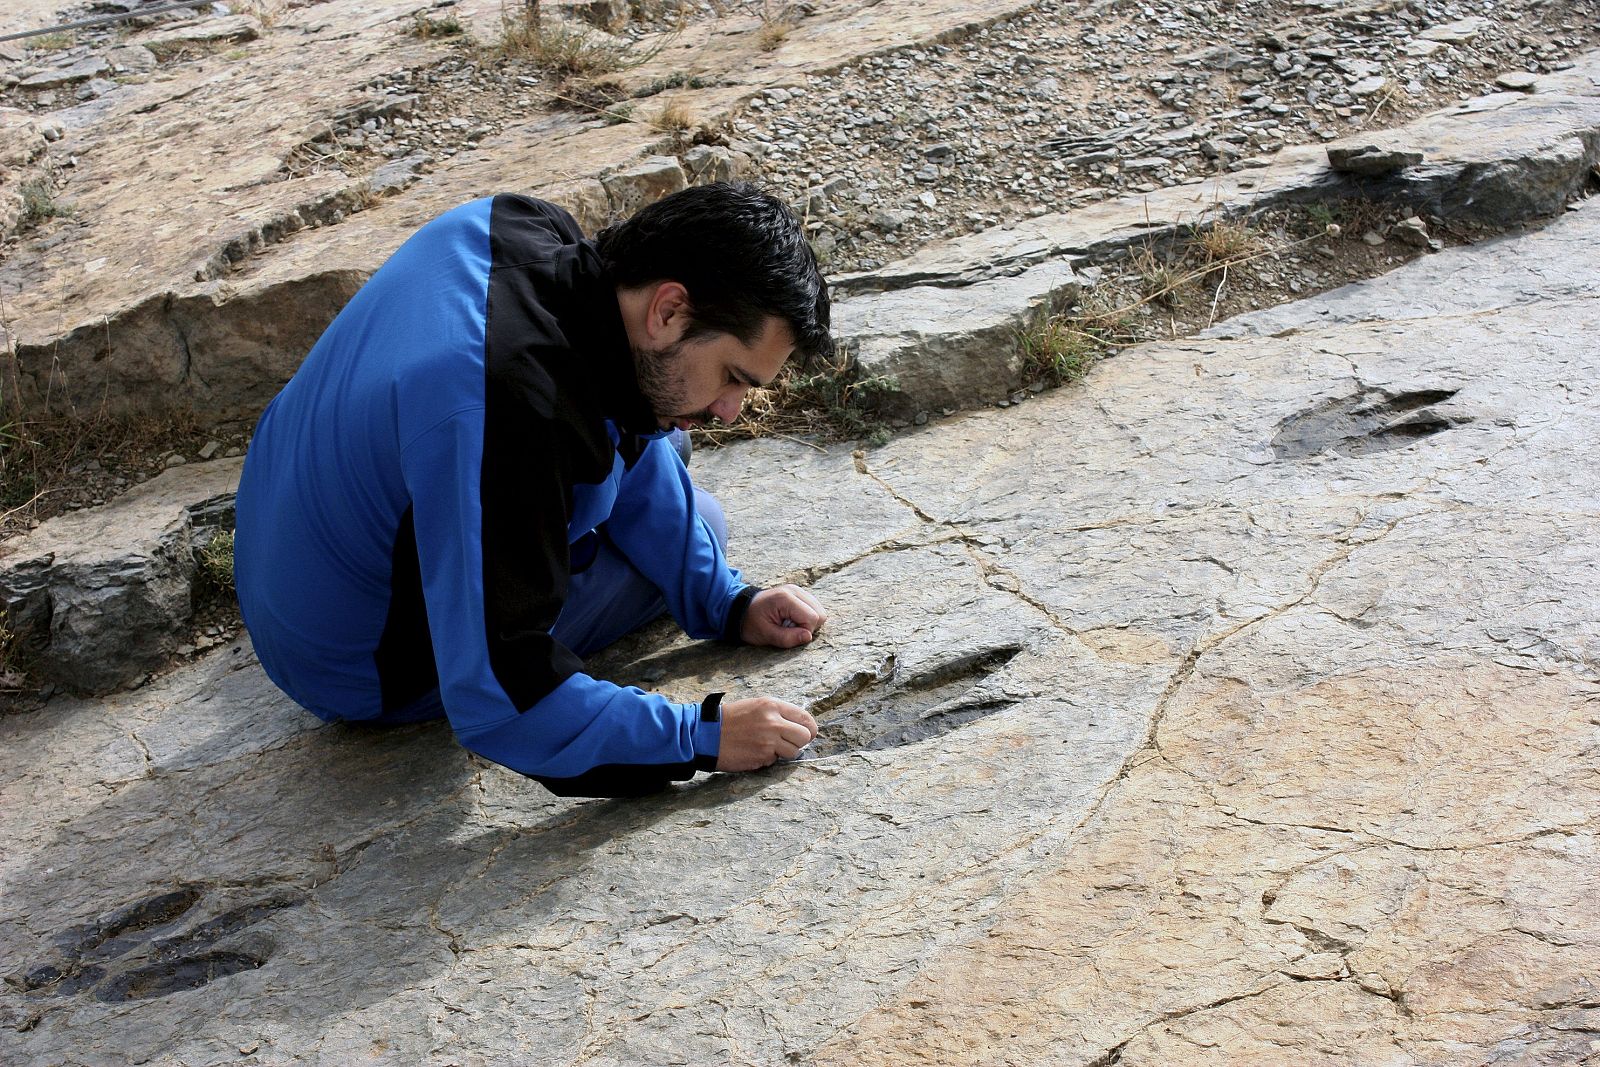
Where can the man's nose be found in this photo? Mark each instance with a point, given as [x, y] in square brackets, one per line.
[729, 401]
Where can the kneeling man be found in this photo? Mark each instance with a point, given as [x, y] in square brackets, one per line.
[469, 485]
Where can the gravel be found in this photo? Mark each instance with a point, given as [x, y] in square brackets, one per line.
[1070, 103]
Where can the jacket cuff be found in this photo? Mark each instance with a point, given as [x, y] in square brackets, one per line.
[708, 733]
[736, 613]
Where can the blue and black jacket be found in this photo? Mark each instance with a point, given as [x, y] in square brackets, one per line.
[409, 499]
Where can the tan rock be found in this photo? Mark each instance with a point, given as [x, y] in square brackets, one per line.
[192, 175]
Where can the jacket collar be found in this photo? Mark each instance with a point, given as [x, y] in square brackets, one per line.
[595, 329]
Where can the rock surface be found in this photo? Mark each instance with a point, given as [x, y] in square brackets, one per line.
[1065, 104]
[946, 330]
[192, 271]
[1498, 159]
[1236, 706]
[104, 595]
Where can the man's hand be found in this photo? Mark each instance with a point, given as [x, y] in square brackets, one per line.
[784, 616]
[758, 731]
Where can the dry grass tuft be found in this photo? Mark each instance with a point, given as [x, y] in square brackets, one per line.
[1226, 239]
[43, 456]
[830, 403]
[426, 28]
[674, 118]
[772, 34]
[51, 42]
[1161, 276]
[565, 51]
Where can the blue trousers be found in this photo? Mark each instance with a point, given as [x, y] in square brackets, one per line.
[606, 600]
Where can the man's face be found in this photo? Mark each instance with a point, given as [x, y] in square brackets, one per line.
[688, 383]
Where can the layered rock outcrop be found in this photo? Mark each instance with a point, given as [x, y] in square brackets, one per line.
[1235, 707]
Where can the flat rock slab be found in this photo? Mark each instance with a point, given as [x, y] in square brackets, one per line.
[1236, 706]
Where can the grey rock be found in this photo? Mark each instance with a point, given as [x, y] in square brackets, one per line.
[133, 58]
[950, 347]
[1370, 160]
[1518, 80]
[1456, 32]
[644, 183]
[1418, 48]
[232, 29]
[397, 174]
[889, 220]
[1411, 231]
[82, 70]
[714, 163]
[102, 596]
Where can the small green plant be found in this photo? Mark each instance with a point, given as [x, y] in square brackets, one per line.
[1321, 214]
[426, 28]
[1056, 351]
[1060, 349]
[617, 114]
[675, 80]
[39, 202]
[215, 562]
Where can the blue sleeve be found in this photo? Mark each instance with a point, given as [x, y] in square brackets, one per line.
[656, 526]
[576, 734]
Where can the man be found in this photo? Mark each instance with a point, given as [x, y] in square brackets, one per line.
[468, 485]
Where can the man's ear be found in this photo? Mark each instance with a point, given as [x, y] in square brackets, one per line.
[667, 317]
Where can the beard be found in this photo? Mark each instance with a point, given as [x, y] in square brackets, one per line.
[661, 382]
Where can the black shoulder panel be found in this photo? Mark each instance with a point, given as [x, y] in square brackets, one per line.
[538, 441]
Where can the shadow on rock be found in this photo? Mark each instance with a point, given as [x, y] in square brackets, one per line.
[228, 891]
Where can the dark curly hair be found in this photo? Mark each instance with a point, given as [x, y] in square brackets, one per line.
[741, 254]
